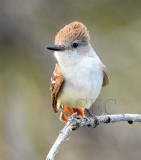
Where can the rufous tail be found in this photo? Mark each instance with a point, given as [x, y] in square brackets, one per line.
[69, 111]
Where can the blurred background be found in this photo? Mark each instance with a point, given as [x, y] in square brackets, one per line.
[28, 126]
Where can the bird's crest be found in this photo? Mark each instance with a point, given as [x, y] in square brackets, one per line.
[71, 32]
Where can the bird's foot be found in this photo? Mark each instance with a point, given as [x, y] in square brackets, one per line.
[61, 110]
[73, 120]
[92, 116]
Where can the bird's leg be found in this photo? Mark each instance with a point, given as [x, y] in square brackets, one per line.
[67, 113]
[91, 115]
[69, 117]
[61, 110]
[78, 114]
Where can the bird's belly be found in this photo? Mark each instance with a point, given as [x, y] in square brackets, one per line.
[81, 92]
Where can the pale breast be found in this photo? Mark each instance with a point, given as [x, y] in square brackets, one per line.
[82, 84]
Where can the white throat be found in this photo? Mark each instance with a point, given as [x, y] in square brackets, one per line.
[74, 57]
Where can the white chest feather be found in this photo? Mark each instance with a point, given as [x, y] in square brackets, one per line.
[83, 82]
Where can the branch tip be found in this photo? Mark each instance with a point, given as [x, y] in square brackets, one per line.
[74, 123]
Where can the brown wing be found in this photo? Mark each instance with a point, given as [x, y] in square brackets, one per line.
[105, 76]
[57, 80]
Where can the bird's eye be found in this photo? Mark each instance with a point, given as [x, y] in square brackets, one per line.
[75, 45]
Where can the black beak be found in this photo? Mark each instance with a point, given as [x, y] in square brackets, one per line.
[55, 48]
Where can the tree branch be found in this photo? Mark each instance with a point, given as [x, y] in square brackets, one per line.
[75, 123]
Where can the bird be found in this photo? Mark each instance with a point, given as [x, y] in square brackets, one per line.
[79, 73]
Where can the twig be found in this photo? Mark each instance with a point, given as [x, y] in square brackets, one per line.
[75, 123]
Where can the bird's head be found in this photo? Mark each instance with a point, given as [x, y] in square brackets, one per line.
[71, 42]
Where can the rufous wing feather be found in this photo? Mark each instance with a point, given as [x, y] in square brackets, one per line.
[57, 80]
[105, 76]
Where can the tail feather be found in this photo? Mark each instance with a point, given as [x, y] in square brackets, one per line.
[69, 111]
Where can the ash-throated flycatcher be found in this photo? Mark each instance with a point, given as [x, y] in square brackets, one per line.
[79, 74]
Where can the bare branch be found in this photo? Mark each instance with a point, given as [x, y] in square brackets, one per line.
[75, 123]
